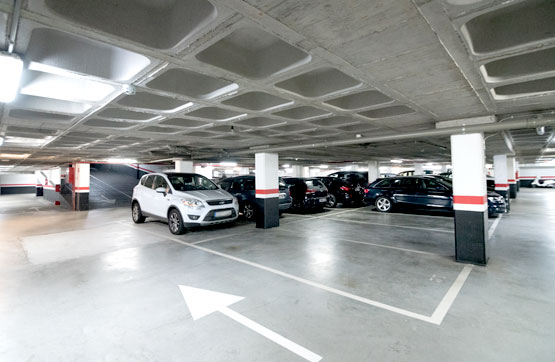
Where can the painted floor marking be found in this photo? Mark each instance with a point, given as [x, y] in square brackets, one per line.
[322, 286]
[391, 225]
[450, 296]
[372, 244]
[494, 226]
[369, 211]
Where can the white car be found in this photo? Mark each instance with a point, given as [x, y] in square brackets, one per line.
[183, 199]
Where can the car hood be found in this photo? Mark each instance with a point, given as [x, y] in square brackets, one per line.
[205, 195]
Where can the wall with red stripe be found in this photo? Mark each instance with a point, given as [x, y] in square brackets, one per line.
[17, 183]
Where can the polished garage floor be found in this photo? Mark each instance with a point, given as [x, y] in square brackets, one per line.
[347, 284]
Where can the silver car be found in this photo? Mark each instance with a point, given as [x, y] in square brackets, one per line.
[183, 199]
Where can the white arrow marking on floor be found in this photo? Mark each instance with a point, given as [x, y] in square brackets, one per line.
[202, 302]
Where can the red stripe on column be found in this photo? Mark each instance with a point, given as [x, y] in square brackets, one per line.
[8, 185]
[82, 189]
[501, 185]
[511, 180]
[470, 200]
[268, 191]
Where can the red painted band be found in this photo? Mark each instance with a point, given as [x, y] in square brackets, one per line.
[82, 188]
[8, 185]
[268, 191]
[501, 185]
[470, 200]
[510, 180]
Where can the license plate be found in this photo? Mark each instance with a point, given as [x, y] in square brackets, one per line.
[222, 213]
[282, 196]
[323, 199]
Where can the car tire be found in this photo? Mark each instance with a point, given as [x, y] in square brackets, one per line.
[383, 204]
[175, 222]
[248, 211]
[332, 201]
[137, 214]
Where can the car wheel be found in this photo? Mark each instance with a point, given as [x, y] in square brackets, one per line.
[383, 204]
[175, 222]
[248, 211]
[137, 214]
[332, 201]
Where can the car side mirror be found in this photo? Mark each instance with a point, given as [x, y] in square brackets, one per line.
[161, 190]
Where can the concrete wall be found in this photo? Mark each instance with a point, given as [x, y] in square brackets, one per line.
[17, 183]
[528, 174]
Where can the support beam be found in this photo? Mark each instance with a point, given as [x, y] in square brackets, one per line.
[501, 177]
[470, 198]
[373, 170]
[267, 190]
[81, 186]
[511, 174]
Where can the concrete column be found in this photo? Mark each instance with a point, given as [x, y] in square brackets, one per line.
[267, 190]
[204, 171]
[184, 166]
[517, 176]
[501, 177]
[81, 186]
[373, 171]
[52, 185]
[470, 198]
[511, 175]
[40, 180]
[297, 171]
[306, 171]
[244, 171]
[443, 168]
[418, 169]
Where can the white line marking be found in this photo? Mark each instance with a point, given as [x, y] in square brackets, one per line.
[221, 237]
[308, 217]
[372, 244]
[392, 225]
[368, 211]
[449, 298]
[305, 281]
[273, 336]
[494, 226]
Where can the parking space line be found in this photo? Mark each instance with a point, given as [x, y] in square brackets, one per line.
[494, 226]
[392, 225]
[440, 312]
[308, 217]
[366, 210]
[372, 244]
[450, 296]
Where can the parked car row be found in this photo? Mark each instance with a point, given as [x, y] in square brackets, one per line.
[185, 199]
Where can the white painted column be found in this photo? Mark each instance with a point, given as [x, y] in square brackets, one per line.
[184, 166]
[82, 174]
[267, 190]
[511, 174]
[306, 171]
[418, 169]
[297, 171]
[373, 170]
[443, 168]
[40, 181]
[470, 197]
[244, 171]
[205, 171]
[500, 175]
[517, 176]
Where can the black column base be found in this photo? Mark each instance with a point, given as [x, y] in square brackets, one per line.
[517, 186]
[512, 191]
[267, 214]
[471, 236]
[39, 191]
[81, 201]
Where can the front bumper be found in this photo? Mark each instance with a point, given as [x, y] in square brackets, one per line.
[209, 215]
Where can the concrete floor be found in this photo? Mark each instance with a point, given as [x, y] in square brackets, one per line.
[347, 284]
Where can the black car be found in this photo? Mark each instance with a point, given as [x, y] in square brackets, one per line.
[307, 193]
[341, 191]
[420, 192]
[243, 188]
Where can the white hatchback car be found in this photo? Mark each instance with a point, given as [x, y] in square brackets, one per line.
[183, 199]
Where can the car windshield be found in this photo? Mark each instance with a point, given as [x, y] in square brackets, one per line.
[191, 182]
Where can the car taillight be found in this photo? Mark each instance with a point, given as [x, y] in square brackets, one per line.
[345, 188]
[366, 191]
[310, 191]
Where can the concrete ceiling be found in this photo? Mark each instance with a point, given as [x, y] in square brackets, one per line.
[215, 77]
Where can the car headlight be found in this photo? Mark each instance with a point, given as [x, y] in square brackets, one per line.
[235, 201]
[192, 203]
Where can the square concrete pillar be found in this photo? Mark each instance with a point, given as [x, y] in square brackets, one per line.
[39, 186]
[373, 171]
[267, 190]
[418, 169]
[511, 174]
[184, 166]
[470, 198]
[81, 185]
[297, 171]
[501, 177]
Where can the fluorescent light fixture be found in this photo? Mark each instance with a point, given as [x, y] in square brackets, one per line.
[358, 135]
[121, 160]
[429, 164]
[286, 165]
[228, 164]
[25, 141]
[11, 67]
[14, 156]
[396, 161]
[1, 141]
[323, 166]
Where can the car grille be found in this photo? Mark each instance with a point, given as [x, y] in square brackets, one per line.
[210, 216]
[219, 202]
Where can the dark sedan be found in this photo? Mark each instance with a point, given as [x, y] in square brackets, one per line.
[243, 188]
[307, 193]
[341, 192]
[420, 192]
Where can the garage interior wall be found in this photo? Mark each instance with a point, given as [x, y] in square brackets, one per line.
[18, 183]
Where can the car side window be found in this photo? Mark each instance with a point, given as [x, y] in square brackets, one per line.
[248, 185]
[149, 181]
[385, 183]
[225, 185]
[143, 180]
[431, 185]
[237, 185]
[159, 181]
[408, 183]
